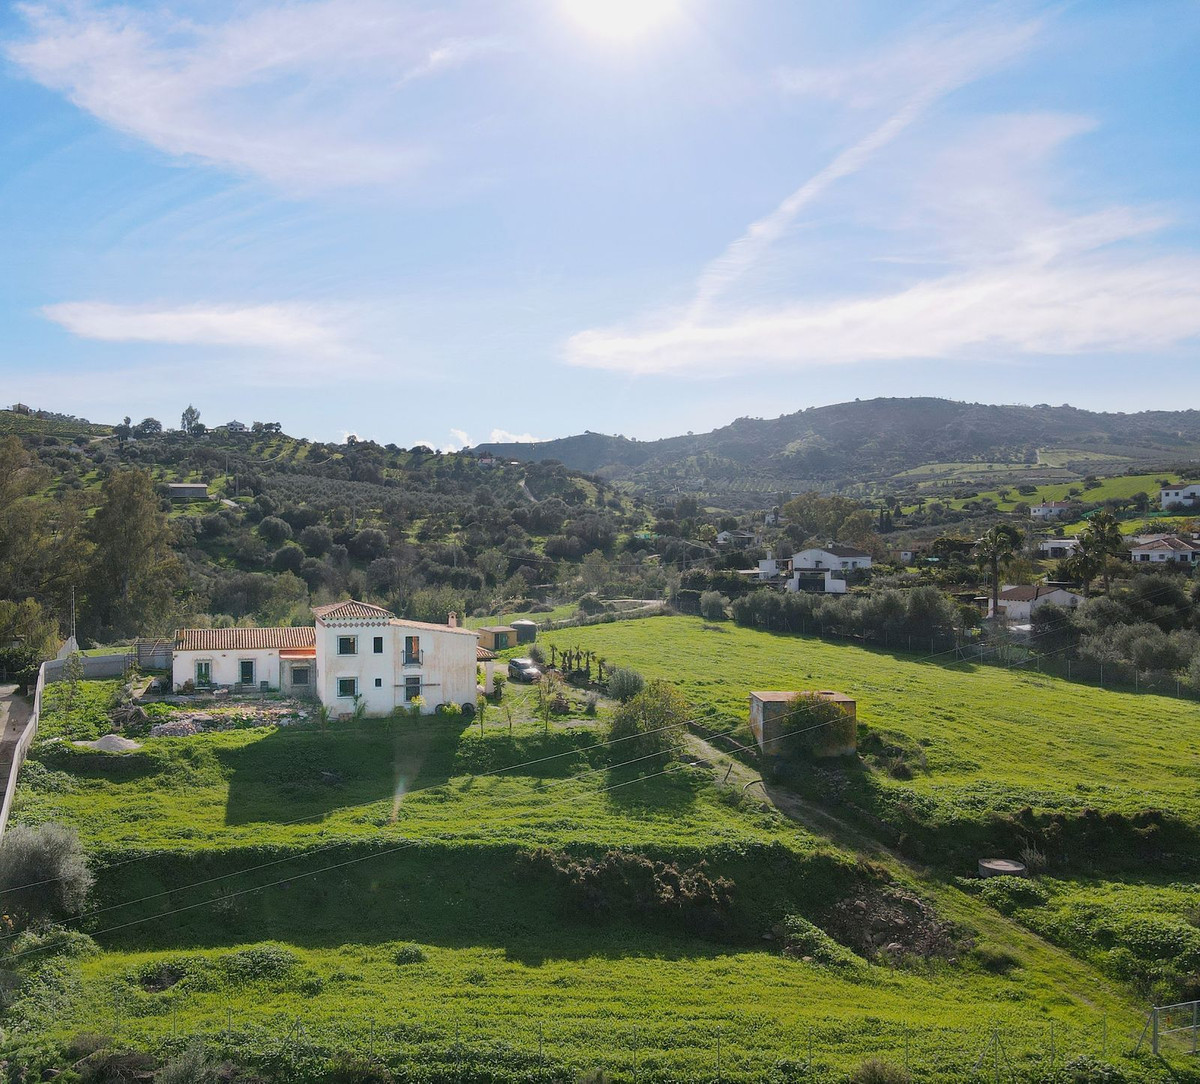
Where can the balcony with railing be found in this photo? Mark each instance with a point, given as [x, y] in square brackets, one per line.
[414, 658]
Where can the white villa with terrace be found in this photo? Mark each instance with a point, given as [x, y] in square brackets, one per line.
[354, 652]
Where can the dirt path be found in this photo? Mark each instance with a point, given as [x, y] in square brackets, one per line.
[14, 714]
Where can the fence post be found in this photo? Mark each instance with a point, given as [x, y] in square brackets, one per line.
[1154, 1030]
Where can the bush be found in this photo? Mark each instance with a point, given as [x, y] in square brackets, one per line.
[1008, 894]
[625, 885]
[409, 954]
[624, 684]
[802, 939]
[1085, 1069]
[193, 1066]
[713, 605]
[43, 873]
[878, 1071]
[650, 723]
[259, 963]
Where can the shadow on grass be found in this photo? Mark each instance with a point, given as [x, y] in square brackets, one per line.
[652, 786]
[448, 897]
[293, 775]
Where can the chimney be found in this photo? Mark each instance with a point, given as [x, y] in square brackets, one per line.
[452, 620]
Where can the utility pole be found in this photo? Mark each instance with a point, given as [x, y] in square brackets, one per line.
[73, 612]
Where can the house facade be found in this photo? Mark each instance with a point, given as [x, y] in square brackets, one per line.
[1055, 548]
[831, 556]
[1018, 604]
[1184, 493]
[367, 652]
[353, 653]
[1049, 509]
[1165, 549]
[278, 658]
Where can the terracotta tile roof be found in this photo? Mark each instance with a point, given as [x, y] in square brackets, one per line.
[351, 610]
[482, 654]
[496, 628]
[245, 639]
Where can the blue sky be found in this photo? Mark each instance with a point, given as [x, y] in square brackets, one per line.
[455, 221]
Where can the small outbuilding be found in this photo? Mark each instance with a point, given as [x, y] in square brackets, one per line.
[187, 491]
[497, 637]
[526, 630]
[772, 719]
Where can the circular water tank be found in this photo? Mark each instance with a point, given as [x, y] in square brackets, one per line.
[1001, 867]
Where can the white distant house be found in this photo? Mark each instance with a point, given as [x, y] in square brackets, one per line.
[1049, 509]
[740, 539]
[818, 568]
[831, 556]
[1185, 493]
[1054, 548]
[355, 652]
[234, 427]
[1164, 549]
[1018, 604]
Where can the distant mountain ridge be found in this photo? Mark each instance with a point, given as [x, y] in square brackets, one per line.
[871, 441]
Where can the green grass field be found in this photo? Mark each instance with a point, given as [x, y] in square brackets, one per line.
[993, 739]
[256, 885]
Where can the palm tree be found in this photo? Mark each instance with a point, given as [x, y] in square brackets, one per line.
[1100, 539]
[996, 547]
[1082, 565]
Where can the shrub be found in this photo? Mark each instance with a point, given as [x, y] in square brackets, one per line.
[259, 963]
[802, 938]
[409, 954]
[713, 605]
[624, 885]
[349, 1068]
[193, 1066]
[649, 723]
[43, 873]
[624, 684]
[1008, 894]
[1085, 1069]
[537, 654]
[878, 1071]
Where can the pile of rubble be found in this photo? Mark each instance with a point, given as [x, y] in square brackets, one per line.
[186, 723]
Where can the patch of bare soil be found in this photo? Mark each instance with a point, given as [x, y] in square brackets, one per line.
[891, 922]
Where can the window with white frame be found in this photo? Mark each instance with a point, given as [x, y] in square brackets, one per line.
[347, 645]
[347, 688]
[203, 671]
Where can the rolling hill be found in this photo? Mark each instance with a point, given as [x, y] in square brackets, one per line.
[874, 441]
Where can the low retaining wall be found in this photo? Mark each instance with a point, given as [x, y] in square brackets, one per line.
[21, 748]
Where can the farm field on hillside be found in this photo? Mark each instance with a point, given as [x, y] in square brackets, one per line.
[992, 739]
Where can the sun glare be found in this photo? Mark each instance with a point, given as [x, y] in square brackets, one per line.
[621, 19]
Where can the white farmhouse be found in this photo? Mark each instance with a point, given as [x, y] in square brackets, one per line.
[355, 653]
[1184, 493]
[1017, 604]
[366, 651]
[1058, 547]
[831, 556]
[1050, 509]
[281, 658]
[1164, 549]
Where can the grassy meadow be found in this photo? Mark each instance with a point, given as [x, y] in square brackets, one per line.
[303, 896]
[986, 738]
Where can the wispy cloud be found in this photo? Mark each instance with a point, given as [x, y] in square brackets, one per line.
[917, 74]
[274, 327]
[996, 267]
[302, 95]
